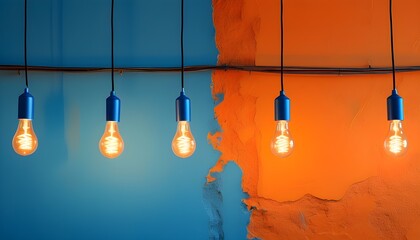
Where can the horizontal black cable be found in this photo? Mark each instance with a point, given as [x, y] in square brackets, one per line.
[263, 69]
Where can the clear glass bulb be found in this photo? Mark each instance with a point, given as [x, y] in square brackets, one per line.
[111, 144]
[396, 143]
[25, 141]
[183, 144]
[282, 142]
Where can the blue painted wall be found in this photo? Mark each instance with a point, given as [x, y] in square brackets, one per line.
[67, 190]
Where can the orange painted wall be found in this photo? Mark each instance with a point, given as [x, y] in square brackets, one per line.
[339, 183]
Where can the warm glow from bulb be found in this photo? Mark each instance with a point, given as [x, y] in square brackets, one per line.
[111, 144]
[396, 143]
[282, 142]
[25, 141]
[183, 144]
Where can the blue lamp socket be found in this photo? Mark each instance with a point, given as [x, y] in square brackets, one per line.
[26, 105]
[395, 106]
[282, 107]
[183, 108]
[113, 106]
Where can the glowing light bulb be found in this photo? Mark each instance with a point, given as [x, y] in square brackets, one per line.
[111, 144]
[183, 144]
[25, 141]
[282, 142]
[396, 143]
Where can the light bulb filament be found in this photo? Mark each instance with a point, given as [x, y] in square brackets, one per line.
[281, 144]
[25, 141]
[183, 144]
[396, 144]
[111, 144]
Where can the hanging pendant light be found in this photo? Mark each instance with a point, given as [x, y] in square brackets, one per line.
[282, 143]
[183, 143]
[25, 141]
[395, 143]
[111, 144]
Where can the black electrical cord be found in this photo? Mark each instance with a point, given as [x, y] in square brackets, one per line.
[261, 69]
[282, 44]
[112, 45]
[25, 47]
[182, 44]
[392, 45]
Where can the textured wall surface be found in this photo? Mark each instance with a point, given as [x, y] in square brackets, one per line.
[67, 189]
[339, 183]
